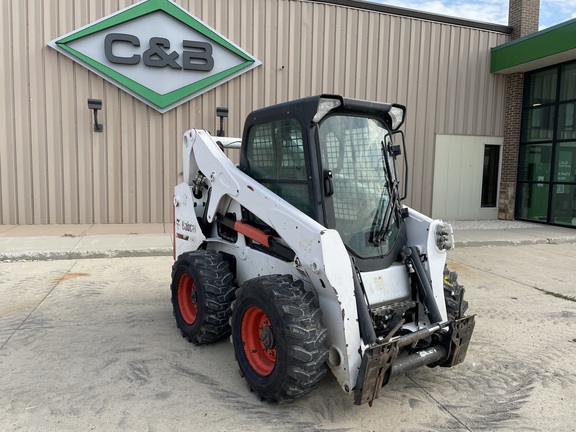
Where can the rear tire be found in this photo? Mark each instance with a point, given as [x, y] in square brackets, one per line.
[278, 338]
[202, 294]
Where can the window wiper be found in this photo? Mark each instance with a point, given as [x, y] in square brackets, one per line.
[389, 213]
[382, 219]
[379, 218]
[380, 228]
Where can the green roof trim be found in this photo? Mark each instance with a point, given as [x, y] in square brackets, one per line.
[547, 47]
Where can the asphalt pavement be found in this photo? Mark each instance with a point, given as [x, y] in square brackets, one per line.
[50, 242]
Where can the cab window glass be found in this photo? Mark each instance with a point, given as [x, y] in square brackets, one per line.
[276, 158]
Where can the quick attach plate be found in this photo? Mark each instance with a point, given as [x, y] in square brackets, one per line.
[460, 334]
[375, 368]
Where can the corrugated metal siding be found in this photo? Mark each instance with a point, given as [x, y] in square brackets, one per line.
[54, 169]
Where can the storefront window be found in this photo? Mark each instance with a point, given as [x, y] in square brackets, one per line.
[546, 190]
[538, 124]
[535, 162]
[568, 82]
[564, 204]
[566, 166]
[541, 87]
[566, 121]
[533, 201]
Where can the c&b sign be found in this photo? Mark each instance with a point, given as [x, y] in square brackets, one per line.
[156, 51]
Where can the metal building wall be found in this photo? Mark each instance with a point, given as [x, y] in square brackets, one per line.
[54, 169]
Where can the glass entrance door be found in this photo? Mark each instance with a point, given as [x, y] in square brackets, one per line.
[563, 206]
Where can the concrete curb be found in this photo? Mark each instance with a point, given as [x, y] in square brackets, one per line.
[167, 251]
[83, 254]
[493, 243]
[509, 242]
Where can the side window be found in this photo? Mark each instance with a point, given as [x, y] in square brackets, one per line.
[276, 158]
[276, 151]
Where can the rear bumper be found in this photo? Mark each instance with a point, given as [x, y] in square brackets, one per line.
[384, 361]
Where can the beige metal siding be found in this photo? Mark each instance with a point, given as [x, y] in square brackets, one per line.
[55, 169]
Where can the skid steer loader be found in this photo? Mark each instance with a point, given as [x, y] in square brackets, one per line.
[305, 255]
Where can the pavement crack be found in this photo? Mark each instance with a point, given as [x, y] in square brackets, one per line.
[555, 294]
[56, 283]
[441, 405]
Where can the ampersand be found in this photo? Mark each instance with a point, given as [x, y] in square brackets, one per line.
[157, 56]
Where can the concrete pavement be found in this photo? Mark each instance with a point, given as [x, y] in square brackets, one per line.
[49, 242]
[92, 345]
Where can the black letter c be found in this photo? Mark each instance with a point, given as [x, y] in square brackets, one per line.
[120, 37]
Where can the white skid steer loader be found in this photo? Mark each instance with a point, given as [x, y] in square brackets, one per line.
[306, 256]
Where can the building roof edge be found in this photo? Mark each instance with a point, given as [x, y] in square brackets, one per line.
[412, 13]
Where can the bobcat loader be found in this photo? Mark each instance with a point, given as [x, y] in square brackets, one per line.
[305, 255]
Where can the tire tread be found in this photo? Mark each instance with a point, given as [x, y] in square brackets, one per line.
[216, 281]
[306, 354]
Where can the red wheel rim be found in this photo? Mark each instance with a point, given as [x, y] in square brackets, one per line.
[187, 298]
[258, 341]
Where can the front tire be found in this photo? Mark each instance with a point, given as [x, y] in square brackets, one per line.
[278, 338]
[456, 306]
[202, 293]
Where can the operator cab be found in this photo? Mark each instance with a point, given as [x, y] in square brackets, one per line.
[334, 159]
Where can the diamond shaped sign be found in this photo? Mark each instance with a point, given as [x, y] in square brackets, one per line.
[156, 51]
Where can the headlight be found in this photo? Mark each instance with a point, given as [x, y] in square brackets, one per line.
[325, 105]
[397, 116]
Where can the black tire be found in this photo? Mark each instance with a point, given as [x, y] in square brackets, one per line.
[278, 338]
[456, 306]
[202, 294]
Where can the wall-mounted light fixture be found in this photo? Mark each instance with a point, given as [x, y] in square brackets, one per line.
[221, 112]
[96, 105]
